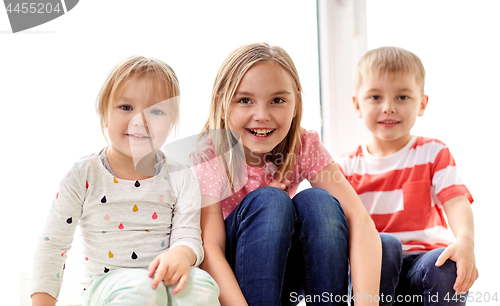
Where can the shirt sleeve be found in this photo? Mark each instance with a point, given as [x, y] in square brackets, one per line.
[186, 216]
[446, 180]
[211, 183]
[57, 235]
[313, 155]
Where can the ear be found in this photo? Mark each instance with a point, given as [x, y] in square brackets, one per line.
[423, 105]
[356, 106]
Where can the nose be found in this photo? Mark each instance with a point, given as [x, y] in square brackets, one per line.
[261, 112]
[389, 106]
[139, 119]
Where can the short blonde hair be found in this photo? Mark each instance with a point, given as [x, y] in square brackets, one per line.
[226, 83]
[393, 61]
[160, 75]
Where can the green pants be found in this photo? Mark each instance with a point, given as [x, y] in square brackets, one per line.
[132, 287]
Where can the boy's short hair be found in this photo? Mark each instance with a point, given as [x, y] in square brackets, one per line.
[389, 61]
[160, 76]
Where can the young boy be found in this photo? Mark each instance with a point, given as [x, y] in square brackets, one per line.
[405, 182]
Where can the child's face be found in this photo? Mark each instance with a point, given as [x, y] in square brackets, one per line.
[262, 109]
[389, 106]
[138, 121]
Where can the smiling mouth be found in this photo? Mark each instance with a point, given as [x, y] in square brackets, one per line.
[138, 136]
[389, 122]
[261, 132]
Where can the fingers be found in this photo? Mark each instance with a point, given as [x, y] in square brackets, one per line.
[474, 277]
[161, 272]
[445, 255]
[152, 267]
[180, 285]
[461, 280]
[278, 185]
[287, 182]
[468, 281]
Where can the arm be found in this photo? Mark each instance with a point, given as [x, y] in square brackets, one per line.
[56, 238]
[215, 263]
[42, 299]
[185, 250]
[461, 221]
[365, 250]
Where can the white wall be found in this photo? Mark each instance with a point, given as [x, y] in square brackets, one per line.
[457, 42]
[50, 76]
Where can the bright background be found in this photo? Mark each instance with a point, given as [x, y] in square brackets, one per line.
[50, 76]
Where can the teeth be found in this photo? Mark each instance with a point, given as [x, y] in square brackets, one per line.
[389, 122]
[138, 136]
[261, 132]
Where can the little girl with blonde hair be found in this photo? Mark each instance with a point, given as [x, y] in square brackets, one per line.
[139, 213]
[263, 242]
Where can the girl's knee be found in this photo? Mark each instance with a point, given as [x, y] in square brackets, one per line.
[126, 287]
[138, 282]
[202, 278]
[273, 202]
[201, 289]
[271, 194]
[319, 205]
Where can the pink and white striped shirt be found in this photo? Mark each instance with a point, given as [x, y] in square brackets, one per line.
[404, 192]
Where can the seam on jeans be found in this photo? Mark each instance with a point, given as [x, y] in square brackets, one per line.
[307, 283]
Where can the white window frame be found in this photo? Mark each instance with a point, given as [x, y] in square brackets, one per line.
[342, 41]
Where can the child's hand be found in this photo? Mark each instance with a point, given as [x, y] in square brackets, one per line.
[284, 185]
[462, 253]
[172, 266]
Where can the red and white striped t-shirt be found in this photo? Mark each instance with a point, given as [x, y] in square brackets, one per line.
[404, 192]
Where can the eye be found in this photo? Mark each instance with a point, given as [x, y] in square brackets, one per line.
[156, 112]
[244, 101]
[403, 98]
[375, 97]
[126, 107]
[278, 101]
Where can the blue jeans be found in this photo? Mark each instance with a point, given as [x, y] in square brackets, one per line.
[281, 248]
[422, 283]
[392, 258]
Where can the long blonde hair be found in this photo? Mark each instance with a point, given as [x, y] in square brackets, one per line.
[226, 83]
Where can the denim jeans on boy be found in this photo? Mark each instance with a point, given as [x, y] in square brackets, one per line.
[281, 248]
[422, 283]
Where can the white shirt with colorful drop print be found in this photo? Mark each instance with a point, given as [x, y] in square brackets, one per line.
[124, 224]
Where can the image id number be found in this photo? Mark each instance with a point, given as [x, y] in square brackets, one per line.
[472, 297]
[34, 8]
